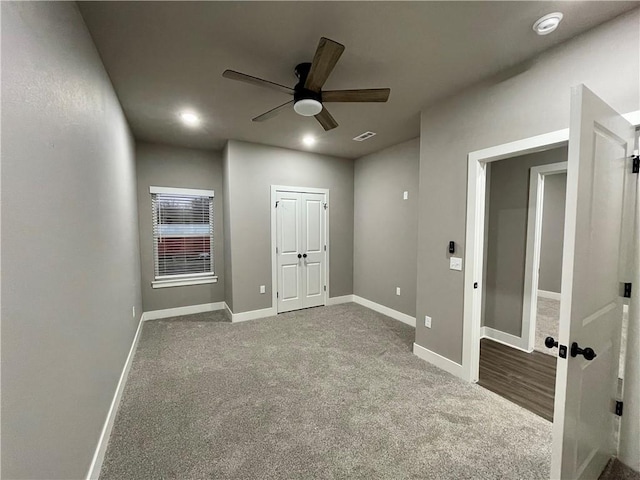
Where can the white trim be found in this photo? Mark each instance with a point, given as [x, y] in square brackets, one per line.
[505, 338]
[103, 441]
[533, 248]
[183, 282]
[438, 360]
[182, 191]
[548, 294]
[474, 239]
[179, 311]
[274, 261]
[339, 300]
[252, 314]
[389, 312]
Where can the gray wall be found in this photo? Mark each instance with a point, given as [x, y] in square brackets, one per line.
[532, 100]
[507, 238]
[70, 263]
[251, 170]
[228, 287]
[165, 166]
[386, 226]
[552, 241]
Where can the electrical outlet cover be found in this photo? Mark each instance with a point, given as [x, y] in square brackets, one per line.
[455, 263]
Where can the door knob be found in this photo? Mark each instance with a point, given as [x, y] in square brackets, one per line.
[299, 256]
[304, 255]
[587, 353]
[550, 342]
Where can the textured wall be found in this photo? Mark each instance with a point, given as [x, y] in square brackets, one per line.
[164, 166]
[70, 260]
[528, 100]
[386, 226]
[507, 237]
[555, 192]
[251, 170]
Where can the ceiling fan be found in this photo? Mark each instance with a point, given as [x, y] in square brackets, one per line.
[308, 97]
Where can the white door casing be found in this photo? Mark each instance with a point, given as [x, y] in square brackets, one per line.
[534, 242]
[600, 146]
[300, 247]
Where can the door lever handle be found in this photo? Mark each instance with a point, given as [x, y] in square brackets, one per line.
[299, 256]
[587, 353]
[304, 255]
[550, 342]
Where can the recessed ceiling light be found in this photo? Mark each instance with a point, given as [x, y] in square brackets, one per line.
[190, 119]
[309, 140]
[547, 24]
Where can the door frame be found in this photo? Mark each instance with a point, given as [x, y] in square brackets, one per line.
[274, 262]
[475, 226]
[534, 244]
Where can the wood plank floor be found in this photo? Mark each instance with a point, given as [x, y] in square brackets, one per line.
[527, 379]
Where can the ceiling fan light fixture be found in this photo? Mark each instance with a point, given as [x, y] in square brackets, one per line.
[307, 107]
[547, 24]
[309, 140]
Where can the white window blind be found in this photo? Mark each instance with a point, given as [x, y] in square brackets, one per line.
[182, 233]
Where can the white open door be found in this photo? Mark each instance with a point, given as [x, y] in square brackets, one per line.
[600, 147]
[300, 249]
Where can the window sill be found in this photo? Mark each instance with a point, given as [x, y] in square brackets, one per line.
[183, 282]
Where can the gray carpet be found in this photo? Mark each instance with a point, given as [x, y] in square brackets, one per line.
[330, 392]
[547, 324]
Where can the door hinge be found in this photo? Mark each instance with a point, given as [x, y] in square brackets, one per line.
[276, 250]
[325, 248]
[627, 290]
[326, 205]
[619, 406]
[325, 288]
[277, 202]
[635, 166]
[277, 294]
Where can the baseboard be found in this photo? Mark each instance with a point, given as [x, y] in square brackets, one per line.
[252, 314]
[504, 338]
[339, 300]
[178, 311]
[548, 294]
[103, 441]
[438, 360]
[389, 312]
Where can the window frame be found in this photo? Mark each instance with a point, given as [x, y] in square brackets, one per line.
[182, 279]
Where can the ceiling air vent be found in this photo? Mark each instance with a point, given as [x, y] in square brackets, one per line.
[364, 136]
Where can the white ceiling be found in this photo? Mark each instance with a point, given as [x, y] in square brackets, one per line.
[166, 56]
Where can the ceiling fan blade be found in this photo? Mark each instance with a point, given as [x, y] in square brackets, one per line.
[369, 95]
[326, 57]
[272, 113]
[326, 120]
[233, 75]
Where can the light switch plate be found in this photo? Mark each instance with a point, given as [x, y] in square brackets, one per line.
[262, 289]
[427, 321]
[405, 195]
[455, 263]
[397, 290]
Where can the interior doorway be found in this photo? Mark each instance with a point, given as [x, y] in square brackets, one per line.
[524, 227]
[300, 247]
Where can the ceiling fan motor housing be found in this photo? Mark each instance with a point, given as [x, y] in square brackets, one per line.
[301, 93]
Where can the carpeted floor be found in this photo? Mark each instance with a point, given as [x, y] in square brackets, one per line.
[547, 324]
[330, 392]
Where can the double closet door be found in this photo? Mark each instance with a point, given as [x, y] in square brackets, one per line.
[300, 249]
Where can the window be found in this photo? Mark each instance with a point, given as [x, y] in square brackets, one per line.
[182, 236]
